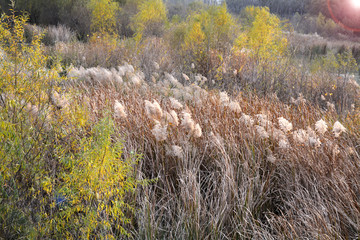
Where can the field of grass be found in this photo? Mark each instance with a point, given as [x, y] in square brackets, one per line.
[135, 139]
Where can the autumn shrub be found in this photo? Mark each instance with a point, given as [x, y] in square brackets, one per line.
[25, 161]
[204, 32]
[103, 17]
[31, 30]
[150, 19]
[89, 197]
[128, 10]
[154, 56]
[265, 47]
[50, 151]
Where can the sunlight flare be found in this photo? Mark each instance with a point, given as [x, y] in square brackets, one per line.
[355, 3]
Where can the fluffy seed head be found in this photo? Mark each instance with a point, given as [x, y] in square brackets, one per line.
[187, 122]
[300, 136]
[330, 106]
[186, 77]
[335, 149]
[171, 118]
[314, 142]
[135, 80]
[224, 99]
[352, 108]
[263, 120]
[156, 66]
[198, 78]
[175, 151]
[284, 144]
[117, 79]
[311, 132]
[175, 103]
[119, 110]
[159, 132]
[58, 101]
[261, 132]
[32, 109]
[175, 117]
[174, 82]
[285, 125]
[271, 158]
[197, 131]
[235, 107]
[127, 68]
[247, 120]
[153, 110]
[350, 151]
[338, 128]
[321, 126]
[277, 134]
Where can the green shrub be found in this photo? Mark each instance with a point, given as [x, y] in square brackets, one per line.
[59, 177]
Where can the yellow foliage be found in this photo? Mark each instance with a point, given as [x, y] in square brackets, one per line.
[263, 39]
[194, 38]
[73, 176]
[150, 18]
[96, 183]
[22, 73]
[207, 33]
[208, 29]
[103, 16]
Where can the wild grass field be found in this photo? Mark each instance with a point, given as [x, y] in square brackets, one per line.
[208, 126]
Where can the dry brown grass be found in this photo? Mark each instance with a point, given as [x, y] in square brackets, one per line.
[230, 183]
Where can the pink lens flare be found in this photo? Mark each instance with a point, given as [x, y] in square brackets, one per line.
[356, 4]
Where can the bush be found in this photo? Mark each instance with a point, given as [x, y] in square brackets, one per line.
[90, 194]
[59, 33]
[103, 16]
[150, 19]
[204, 39]
[265, 48]
[60, 176]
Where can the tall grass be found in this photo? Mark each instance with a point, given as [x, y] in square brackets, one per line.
[230, 182]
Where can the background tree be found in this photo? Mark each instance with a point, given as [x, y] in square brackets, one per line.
[76, 15]
[264, 47]
[206, 37]
[150, 19]
[103, 16]
[280, 7]
[263, 36]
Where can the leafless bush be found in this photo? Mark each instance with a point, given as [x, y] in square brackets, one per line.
[98, 53]
[59, 33]
[154, 55]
